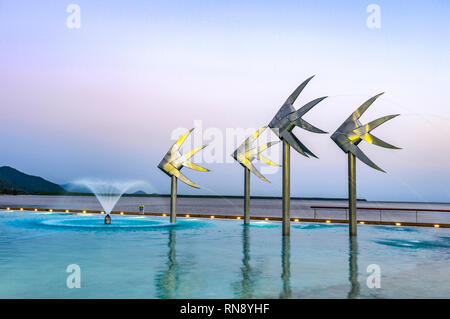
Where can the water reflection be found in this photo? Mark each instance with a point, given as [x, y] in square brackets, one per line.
[285, 267]
[167, 281]
[353, 268]
[245, 288]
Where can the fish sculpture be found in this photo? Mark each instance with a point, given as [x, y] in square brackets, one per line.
[352, 132]
[174, 161]
[246, 153]
[288, 117]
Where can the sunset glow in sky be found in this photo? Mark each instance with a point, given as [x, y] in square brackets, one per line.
[103, 100]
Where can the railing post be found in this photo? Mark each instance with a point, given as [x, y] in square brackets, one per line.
[315, 213]
[380, 215]
[416, 216]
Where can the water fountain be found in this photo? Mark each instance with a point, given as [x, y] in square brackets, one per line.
[108, 193]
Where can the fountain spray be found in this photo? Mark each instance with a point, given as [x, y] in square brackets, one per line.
[108, 193]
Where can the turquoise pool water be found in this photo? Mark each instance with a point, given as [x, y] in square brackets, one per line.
[145, 257]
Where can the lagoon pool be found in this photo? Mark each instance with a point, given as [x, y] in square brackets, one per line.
[145, 257]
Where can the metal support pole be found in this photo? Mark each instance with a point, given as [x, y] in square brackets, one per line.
[246, 195]
[352, 193]
[286, 188]
[173, 200]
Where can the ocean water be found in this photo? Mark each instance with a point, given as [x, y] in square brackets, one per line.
[145, 257]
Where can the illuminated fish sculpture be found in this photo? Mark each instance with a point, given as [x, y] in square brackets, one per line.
[352, 132]
[174, 161]
[287, 118]
[246, 153]
[282, 125]
[347, 137]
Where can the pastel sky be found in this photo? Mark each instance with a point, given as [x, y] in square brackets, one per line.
[103, 100]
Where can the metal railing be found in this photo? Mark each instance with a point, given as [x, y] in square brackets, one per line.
[380, 210]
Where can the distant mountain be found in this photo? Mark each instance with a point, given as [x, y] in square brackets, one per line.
[76, 188]
[139, 193]
[81, 189]
[13, 180]
[6, 186]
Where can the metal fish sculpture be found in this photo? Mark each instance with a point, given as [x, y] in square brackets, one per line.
[174, 161]
[287, 118]
[246, 153]
[352, 132]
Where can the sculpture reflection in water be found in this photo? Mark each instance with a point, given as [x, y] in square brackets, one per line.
[167, 282]
[248, 286]
[245, 287]
[252, 279]
[286, 267]
[353, 268]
